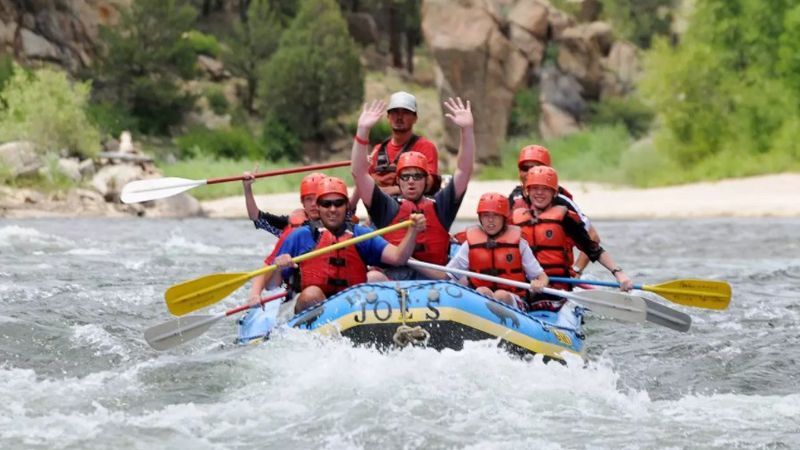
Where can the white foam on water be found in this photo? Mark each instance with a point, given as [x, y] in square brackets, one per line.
[176, 242]
[32, 240]
[87, 252]
[102, 341]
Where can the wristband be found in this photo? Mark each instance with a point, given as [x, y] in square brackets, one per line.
[361, 141]
[615, 270]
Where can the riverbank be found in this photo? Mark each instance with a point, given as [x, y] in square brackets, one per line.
[762, 196]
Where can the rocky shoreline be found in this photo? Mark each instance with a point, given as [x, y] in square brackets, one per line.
[762, 196]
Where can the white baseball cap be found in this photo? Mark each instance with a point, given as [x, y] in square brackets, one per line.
[402, 100]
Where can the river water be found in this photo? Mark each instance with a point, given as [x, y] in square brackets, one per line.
[75, 372]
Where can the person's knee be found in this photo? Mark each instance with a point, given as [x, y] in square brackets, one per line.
[505, 297]
[483, 290]
[308, 298]
[374, 276]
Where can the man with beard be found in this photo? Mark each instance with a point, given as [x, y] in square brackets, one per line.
[402, 115]
[440, 211]
[325, 275]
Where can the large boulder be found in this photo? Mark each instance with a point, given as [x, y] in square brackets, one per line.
[110, 180]
[581, 49]
[177, 206]
[555, 122]
[473, 53]
[621, 69]
[20, 159]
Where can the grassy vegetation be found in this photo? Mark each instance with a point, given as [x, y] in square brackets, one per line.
[205, 167]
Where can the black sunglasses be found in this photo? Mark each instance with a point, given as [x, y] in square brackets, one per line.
[339, 202]
[416, 176]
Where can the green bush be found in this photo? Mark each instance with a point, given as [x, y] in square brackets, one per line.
[111, 119]
[217, 101]
[628, 111]
[524, 117]
[46, 108]
[6, 72]
[202, 44]
[234, 143]
[640, 20]
[279, 142]
[316, 74]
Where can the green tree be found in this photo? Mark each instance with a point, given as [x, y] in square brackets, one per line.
[316, 74]
[251, 43]
[726, 95]
[145, 56]
[48, 109]
[640, 20]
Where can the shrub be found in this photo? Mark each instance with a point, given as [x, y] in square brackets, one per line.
[217, 101]
[524, 117]
[278, 141]
[111, 119]
[235, 143]
[201, 43]
[46, 108]
[627, 111]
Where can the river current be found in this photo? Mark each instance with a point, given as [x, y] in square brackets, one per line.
[75, 371]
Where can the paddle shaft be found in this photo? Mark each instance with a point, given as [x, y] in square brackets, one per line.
[204, 291]
[499, 280]
[273, 173]
[590, 282]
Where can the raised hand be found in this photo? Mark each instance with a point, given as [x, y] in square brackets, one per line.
[372, 113]
[460, 114]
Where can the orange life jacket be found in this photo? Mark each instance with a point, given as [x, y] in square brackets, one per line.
[433, 243]
[296, 219]
[333, 272]
[550, 244]
[497, 256]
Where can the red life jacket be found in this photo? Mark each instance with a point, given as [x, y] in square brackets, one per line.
[333, 272]
[497, 256]
[550, 244]
[433, 243]
[296, 219]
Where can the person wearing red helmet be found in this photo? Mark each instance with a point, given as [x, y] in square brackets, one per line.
[412, 169]
[328, 274]
[402, 115]
[280, 225]
[532, 156]
[551, 230]
[497, 248]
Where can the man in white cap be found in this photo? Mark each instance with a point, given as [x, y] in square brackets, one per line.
[402, 115]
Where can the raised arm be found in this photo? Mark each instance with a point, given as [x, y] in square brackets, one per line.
[397, 255]
[461, 115]
[249, 199]
[359, 166]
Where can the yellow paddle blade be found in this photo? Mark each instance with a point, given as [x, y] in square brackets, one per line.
[192, 295]
[707, 294]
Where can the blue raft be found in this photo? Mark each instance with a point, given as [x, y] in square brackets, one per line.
[438, 314]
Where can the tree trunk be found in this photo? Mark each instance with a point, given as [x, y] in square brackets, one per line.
[410, 42]
[394, 35]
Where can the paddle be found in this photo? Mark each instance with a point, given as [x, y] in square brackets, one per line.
[616, 305]
[156, 188]
[194, 294]
[177, 331]
[707, 294]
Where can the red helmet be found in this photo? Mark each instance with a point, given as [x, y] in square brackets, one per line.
[412, 159]
[331, 185]
[309, 184]
[534, 153]
[492, 202]
[542, 176]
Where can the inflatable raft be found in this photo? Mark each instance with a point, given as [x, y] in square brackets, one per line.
[437, 314]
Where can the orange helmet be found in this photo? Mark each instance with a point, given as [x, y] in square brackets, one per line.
[412, 159]
[309, 184]
[331, 185]
[492, 202]
[534, 153]
[542, 176]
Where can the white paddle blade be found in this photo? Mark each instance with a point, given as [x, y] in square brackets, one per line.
[615, 305]
[177, 331]
[156, 188]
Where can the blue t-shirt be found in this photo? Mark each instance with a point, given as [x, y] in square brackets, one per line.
[301, 241]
